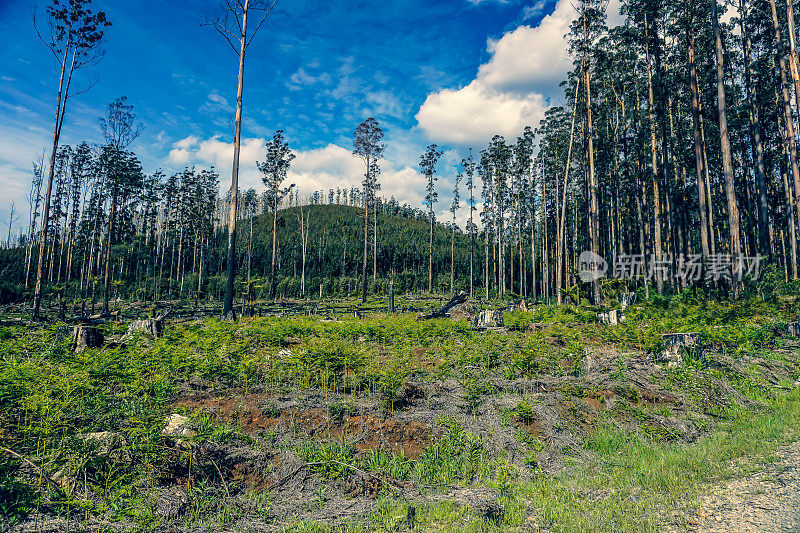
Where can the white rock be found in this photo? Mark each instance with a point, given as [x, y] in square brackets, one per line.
[283, 354]
[177, 426]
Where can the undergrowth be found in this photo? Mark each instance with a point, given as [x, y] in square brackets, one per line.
[51, 398]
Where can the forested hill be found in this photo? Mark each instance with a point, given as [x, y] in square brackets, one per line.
[149, 267]
[335, 250]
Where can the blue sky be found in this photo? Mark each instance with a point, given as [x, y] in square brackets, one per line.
[452, 72]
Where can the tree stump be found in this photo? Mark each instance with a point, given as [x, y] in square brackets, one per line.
[793, 329]
[84, 337]
[612, 318]
[521, 305]
[676, 344]
[152, 327]
[493, 318]
[63, 333]
[627, 299]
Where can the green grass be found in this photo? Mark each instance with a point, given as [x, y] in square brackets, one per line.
[49, 395]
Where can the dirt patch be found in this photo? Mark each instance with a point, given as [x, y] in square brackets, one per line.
[577, 415]
[768, 500]
[253, 414]
[599, 400]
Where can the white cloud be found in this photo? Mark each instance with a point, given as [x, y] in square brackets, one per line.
[216, 103]
[514, 88]
[533, 11]
[476, 112]
[319, 169]
[302, 78]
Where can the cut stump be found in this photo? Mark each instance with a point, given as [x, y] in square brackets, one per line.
[612, 318]
[84, 337]
[493, 318]
[676, 344]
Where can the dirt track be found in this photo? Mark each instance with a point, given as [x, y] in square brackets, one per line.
[766, 501]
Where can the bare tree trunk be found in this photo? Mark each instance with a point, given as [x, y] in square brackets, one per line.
[303, 242]
[727, 167]
[545, 250]
[561, 244]
[755, 135]
[486, 257]
[594, 208]
[59, 119]
[273, 267]
[230, 266]
[366, 241]
[657, 244]
[789, 138]
[698, 147]
[452, 258]
[107, 269]
[430, 258]
[790, 218]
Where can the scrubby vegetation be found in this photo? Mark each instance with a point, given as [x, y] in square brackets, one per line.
[311, 424]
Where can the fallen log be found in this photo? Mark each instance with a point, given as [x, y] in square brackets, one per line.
[458, 299]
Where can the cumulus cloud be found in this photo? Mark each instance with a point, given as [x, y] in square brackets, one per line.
[476, 112]
[329, 167]
[514, 88]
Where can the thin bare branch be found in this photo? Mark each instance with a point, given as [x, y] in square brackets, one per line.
[35, 467]
[266, 14]
[86, 90]
[48, 45]
[227, 39]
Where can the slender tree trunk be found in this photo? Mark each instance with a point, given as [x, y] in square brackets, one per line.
[698, 148]
[789, 137]
[430, 256]
[756, 143]
[59, 119]
[273, 267]
[790, 219]
[366, 240]
[230, 263]
[486, 257]
[452, 258]
[107, 269]
[658, 248]
[561, 243]
[471, 243]
[594, 208]
[545, 250]
[727, 167]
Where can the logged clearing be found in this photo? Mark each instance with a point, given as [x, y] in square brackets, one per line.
[552, 422]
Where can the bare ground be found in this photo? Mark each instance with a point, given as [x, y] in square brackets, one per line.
[765, 501]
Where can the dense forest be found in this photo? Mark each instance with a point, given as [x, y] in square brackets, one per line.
[676, 153]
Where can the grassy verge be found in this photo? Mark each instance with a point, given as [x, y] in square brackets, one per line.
[631, 483]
